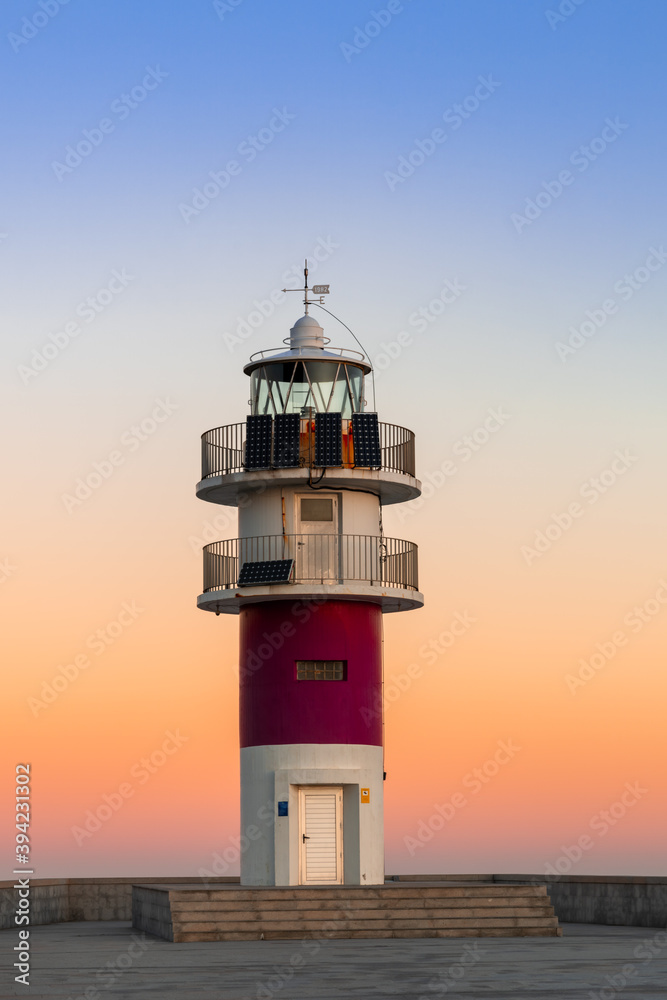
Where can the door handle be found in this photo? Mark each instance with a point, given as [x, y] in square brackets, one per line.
[305, 838]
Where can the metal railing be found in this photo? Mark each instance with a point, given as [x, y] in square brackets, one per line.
[347, 353]
[223, 448]
[397, 445]
[387, 562]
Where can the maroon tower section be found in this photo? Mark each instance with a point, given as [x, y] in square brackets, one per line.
[276, 708]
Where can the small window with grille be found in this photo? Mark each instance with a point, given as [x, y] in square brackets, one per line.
[321, 670]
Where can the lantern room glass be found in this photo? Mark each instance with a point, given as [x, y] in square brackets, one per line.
[307, 386]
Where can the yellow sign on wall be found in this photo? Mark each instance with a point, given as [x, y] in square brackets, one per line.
[365, 795]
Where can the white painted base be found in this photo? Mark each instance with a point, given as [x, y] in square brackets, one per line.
[270, 844]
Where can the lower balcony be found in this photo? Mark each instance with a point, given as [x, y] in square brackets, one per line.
[343, 567]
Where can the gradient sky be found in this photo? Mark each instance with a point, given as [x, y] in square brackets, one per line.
[566, 417]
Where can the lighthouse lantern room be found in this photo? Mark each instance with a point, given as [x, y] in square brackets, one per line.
[310, 576]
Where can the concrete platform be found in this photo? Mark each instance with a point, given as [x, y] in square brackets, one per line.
[70, 958]
[415, 909]
[625, 900]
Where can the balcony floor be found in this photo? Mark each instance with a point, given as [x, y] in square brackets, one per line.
[391, 487]
[231, 600]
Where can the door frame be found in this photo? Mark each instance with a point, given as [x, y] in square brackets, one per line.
[340, 871]
[333, 549]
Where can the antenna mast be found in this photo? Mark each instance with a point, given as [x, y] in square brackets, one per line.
[319, 290]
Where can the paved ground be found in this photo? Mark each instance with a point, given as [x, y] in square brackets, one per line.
[108, 961]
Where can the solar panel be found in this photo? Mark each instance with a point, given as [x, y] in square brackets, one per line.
[328, 439]
[286, 440]
[254, 574]
[258, 441]
[366, 439]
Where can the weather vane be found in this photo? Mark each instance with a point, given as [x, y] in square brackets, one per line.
[318, 290]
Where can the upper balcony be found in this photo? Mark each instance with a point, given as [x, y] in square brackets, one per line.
[226, 476]
[373, 568]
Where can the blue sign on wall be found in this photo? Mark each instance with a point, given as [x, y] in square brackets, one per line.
[282, 809]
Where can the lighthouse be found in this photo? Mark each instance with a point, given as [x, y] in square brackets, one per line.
[310, 576]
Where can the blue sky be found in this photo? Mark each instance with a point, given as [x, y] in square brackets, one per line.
[355, 115]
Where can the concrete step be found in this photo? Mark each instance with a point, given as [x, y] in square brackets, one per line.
[465, 932]
[440, 878]
[230, 918]
[182, 908]
[322, 912]
[387, 891]
[391, 923]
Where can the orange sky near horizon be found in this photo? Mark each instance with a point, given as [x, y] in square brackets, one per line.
[113, 585]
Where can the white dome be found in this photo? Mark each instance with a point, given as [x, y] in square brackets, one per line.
[306, 332]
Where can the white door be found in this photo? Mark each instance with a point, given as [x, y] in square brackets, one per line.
[317, 542]
[320, 835]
